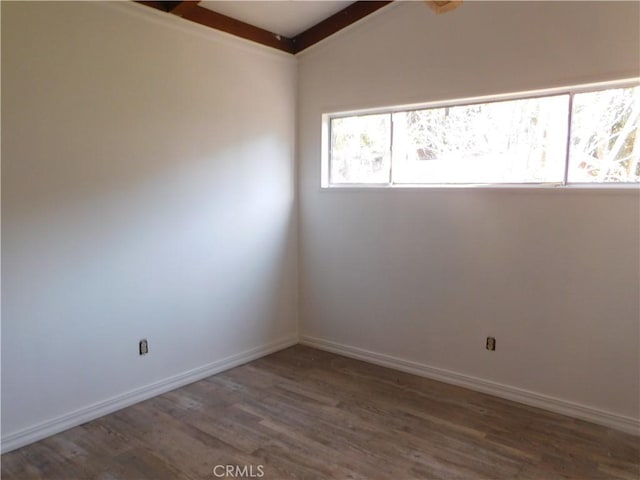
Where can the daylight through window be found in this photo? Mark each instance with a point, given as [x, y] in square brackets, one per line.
[590, 137]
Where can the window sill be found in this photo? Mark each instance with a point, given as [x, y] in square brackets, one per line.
[621, 189]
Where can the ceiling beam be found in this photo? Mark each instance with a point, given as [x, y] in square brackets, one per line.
[182, 8]
[335, 23]
[159, 5]
[239, 29]
[190, 10]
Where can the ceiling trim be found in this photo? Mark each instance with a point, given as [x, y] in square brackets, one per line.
[190, 10]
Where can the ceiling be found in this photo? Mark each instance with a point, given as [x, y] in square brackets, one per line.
[286, 18]
[288, 25]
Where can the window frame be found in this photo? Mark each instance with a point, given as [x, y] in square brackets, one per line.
[571, 91]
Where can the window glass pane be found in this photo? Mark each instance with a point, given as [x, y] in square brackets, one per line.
[605, 141]
[360, 149]
[518, 141]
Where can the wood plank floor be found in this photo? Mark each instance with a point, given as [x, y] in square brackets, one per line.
[306, 414]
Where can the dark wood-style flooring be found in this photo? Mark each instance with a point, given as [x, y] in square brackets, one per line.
[306, 414]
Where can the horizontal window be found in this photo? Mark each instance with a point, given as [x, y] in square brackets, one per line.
[590, 137]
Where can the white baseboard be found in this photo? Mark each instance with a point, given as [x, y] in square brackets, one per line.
[56, 425]
[527, 397]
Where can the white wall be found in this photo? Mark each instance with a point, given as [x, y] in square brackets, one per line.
[147, 192]
[425, 275]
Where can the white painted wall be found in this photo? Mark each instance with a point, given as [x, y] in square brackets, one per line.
[425, 275]
[147, 192]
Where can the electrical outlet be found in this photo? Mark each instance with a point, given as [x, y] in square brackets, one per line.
[491, 343]
[143, 347]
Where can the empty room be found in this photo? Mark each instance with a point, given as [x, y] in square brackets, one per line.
[320, 240]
